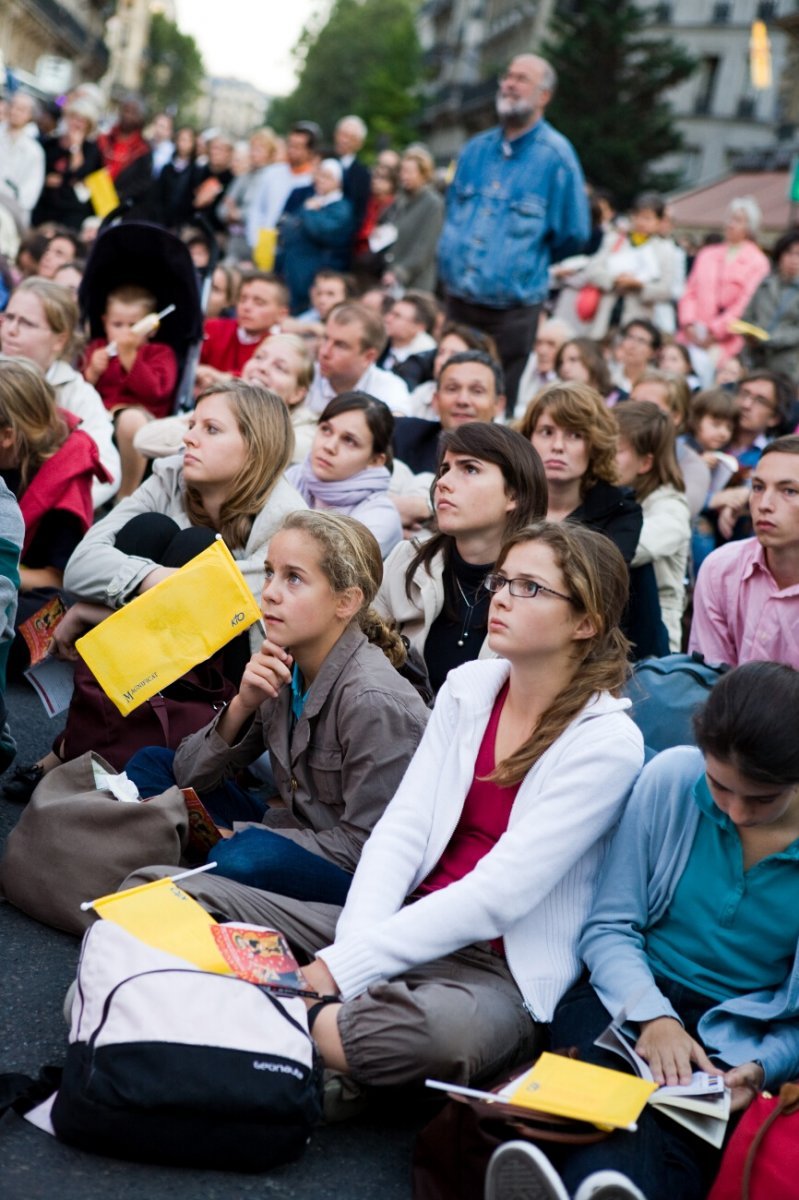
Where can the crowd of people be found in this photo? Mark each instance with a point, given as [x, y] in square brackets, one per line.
[478, 444]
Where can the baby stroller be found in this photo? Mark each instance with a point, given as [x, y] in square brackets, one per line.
[134, 252]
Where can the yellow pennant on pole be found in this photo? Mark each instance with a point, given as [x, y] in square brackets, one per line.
[170, 628]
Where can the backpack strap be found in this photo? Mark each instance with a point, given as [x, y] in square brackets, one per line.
[23, 1092]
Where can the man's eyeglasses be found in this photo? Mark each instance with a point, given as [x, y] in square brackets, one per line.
[756, 399]
[525, 589]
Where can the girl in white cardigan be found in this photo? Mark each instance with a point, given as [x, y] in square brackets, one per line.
[460, 930]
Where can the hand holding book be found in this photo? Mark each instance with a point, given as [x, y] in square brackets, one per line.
[670, 1051]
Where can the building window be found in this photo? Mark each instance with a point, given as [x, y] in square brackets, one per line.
[663, 14]
[721, 13]
[746, 107]
[766, 10]
[707, 74]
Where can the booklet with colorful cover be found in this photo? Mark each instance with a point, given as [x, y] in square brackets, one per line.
[703, 1105]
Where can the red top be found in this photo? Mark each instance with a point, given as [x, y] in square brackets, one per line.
[222, 347]
[484, 817]
[150, 382]
[64, 481]
[120, 149]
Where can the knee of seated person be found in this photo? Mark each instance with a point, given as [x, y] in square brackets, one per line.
[244, 857]
[145, 875]
[151, 768]
[431, 1045]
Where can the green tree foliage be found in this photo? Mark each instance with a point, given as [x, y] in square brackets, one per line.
[174, 73]
[364, 59]
[613, 74]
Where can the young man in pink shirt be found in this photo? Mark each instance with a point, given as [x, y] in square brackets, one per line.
[746, 602]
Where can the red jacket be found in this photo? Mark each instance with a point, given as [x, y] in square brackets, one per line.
[150, 382]
[64, 482]
[222, 349]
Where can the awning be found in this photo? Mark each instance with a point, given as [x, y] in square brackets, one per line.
[702, 209]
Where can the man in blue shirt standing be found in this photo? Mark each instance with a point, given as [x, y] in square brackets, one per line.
[516, 204]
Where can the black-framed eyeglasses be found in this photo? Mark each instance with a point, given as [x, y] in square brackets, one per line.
[525, 589]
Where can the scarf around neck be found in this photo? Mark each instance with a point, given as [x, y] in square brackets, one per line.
[340, 493]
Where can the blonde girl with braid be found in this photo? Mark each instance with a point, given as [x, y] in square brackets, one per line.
[323, 696]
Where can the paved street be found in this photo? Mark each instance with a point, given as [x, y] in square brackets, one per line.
[365, 1159]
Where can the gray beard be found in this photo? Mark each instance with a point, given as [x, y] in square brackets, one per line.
[512, 113]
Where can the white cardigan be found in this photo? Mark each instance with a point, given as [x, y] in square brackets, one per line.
[534, 888]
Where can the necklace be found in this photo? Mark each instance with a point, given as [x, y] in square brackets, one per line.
[470, 607]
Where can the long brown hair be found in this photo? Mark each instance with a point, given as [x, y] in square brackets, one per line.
[597, 581]
[28, 408]
[265, 425]
[521, 469]
[650, 430]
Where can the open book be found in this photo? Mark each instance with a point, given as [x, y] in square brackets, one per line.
[703, 1105]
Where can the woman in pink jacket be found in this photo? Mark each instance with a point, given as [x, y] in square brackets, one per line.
[722, 281]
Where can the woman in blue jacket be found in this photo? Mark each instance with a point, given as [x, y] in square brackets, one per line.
[693, 938]
[317, 236]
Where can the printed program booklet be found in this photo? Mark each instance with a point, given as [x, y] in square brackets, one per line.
[703, 1105]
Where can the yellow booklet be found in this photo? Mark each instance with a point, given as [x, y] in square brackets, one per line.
[568, 1088]
[102, 192]
[164, 916]
[170, 628]
[746, 329]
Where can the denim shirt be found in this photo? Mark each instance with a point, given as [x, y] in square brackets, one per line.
[513, 207]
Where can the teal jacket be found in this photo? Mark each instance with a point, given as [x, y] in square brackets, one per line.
[643, 867]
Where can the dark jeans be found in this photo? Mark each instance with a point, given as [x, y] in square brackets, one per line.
[663, 1159]
[258, 857]
[513, 329]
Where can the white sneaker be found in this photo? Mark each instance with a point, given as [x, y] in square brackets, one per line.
[608, 1185]
[519, 1171]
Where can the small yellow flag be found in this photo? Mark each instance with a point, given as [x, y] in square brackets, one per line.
[264, 250]
[102, 192]
[170, 628]
[568, 1088]
[164, 916]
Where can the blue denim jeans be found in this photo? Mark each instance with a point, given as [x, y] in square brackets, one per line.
[663, 1159]
[258, 857]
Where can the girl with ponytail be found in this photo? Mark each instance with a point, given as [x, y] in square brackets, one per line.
[323, 697]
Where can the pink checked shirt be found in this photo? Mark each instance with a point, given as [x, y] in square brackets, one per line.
[740, 615]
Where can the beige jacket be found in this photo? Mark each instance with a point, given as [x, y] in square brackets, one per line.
[337, 769]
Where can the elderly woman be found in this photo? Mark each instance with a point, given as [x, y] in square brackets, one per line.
[775, 308]
[69, 157]
[316, 236]
[722, 281]
[418, 215]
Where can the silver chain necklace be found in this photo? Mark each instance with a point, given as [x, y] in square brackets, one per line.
[470, 607]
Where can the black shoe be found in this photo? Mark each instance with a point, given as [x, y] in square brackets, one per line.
[20, 785]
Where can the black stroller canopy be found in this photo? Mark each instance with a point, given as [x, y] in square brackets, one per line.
[144, 255]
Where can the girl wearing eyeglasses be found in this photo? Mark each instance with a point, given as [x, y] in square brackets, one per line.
[460, 929]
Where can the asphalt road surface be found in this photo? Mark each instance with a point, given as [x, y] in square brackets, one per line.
[365, 1159]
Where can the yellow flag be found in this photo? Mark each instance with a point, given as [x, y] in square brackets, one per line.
[170, 628]
[264, 251]
[568, 1088]
[164, 916]
[102, 192]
